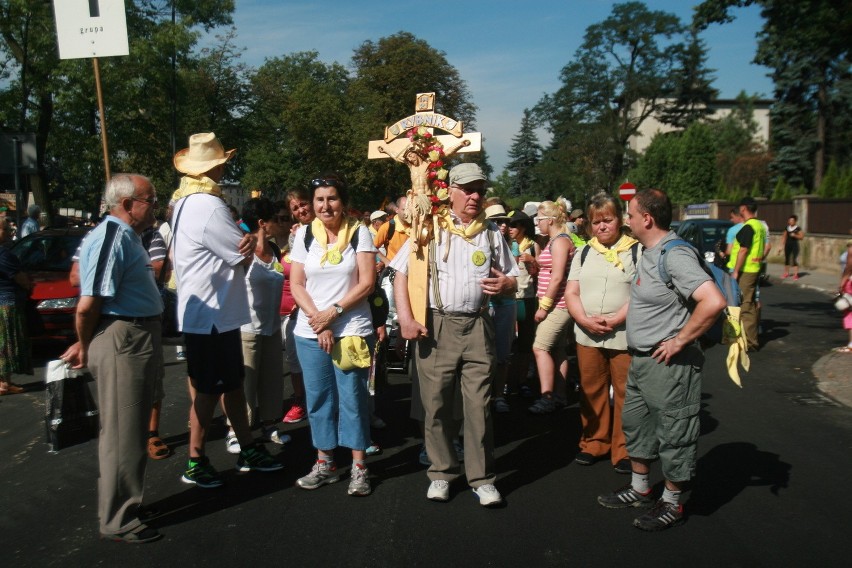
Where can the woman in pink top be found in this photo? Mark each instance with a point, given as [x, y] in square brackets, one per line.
[551, 336]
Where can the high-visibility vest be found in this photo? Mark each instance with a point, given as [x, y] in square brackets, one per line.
[755, 252]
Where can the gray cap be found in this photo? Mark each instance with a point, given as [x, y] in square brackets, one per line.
[466, 173]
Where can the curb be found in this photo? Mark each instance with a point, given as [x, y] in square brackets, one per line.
[833, 374]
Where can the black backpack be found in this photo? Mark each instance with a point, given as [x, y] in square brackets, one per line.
[378, 299]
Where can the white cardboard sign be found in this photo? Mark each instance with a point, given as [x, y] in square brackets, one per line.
[90, 28]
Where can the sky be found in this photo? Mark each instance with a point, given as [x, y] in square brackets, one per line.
[510, 53]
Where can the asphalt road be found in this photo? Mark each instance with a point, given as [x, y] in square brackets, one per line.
[770, 491]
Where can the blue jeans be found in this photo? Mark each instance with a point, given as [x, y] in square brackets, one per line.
[336, 399]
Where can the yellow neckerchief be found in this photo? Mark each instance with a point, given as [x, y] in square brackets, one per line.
[732, 334]
[202, 184]
[611, 254]
[347, 228]
[400, 225]
[525, 244]
[445, 222]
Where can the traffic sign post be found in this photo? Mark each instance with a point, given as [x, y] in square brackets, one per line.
[626, 191]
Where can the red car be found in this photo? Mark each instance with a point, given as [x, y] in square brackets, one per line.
[46, 257]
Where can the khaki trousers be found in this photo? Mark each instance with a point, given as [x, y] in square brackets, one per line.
[458, 359]
[125, 359]
[748, 313]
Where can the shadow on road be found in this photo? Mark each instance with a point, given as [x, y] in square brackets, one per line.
[727, 469]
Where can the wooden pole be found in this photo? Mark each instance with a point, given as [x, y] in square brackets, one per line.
[103, 116]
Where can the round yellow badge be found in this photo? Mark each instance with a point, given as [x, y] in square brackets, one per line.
[276, 266]
[610, 256]
[478, 258]
[334, 256]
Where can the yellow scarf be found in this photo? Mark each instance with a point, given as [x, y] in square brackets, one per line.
[347, 228]
[611, 254]
[190, 185]
[525, 244]
[401, 226]
[445, 222]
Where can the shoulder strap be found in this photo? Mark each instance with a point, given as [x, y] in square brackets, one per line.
[634, 252]
[584, 252]
[165, 268]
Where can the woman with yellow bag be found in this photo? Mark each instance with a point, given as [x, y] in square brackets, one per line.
[332, 274]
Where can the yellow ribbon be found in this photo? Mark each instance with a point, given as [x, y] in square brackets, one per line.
[400, 226]
[525, 244]
[190, 185]
[611, 254]
[347, 228]
[445, 222]
[732, 334]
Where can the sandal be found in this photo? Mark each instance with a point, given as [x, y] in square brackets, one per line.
[139, 535]
[157, 448]
[11, 389]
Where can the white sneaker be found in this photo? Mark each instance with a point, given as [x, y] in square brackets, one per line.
[272, 435]
[488, 495]
[232, 444]
[439, 490]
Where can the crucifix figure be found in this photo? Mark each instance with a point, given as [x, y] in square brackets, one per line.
[410, 141]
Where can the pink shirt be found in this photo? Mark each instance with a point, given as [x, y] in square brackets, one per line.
[545, 264]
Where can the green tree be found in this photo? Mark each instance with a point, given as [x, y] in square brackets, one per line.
[693, 91]
[623, 73]
[56, 99]
[388, 75]
[301, 123]
[524, 155]
[806, 44]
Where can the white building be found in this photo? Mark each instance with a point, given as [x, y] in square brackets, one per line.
[652, 126]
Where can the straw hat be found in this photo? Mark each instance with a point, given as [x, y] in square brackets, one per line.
[205, 152]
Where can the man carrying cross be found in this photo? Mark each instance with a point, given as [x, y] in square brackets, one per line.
[468, 262]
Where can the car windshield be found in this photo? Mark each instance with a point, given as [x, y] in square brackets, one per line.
[712, 234]
[47, 252]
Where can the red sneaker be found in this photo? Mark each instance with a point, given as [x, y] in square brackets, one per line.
[785, 275]
[297, 413]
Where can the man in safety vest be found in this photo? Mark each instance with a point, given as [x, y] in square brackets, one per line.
[748, 250]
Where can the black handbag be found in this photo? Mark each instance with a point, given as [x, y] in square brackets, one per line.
[71, 415]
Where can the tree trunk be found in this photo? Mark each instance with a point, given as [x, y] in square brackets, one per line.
[819, 155]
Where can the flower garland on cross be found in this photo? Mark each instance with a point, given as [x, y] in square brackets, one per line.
[429, 194]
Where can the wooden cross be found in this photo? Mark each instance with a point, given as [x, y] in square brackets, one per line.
[396, 145]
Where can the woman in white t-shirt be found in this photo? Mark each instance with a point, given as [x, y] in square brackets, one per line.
[332, 274]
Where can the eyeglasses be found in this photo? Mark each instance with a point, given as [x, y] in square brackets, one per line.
[149, 201]
[471, 190]
[542, 218]
[324, 182]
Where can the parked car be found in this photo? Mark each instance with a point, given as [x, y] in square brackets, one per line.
[707, 235]
[46, 257]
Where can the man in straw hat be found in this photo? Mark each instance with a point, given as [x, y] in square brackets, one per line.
[210, 257]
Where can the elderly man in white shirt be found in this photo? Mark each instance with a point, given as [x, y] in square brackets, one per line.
[457, 342]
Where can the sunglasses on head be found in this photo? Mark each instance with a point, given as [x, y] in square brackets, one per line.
[326, 182]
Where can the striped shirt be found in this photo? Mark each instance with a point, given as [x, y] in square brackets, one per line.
[459, 277]
[545, 268]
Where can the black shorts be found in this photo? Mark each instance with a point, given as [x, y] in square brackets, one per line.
[215, 361]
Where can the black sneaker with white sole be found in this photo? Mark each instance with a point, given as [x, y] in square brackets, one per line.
[662, 516]
[625, 497]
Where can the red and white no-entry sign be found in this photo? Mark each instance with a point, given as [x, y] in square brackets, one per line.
[626, 191]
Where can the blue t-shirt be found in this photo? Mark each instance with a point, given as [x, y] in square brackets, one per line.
[732, 233]
[115, 266]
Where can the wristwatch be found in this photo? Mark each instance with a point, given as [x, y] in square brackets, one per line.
[339, 309]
